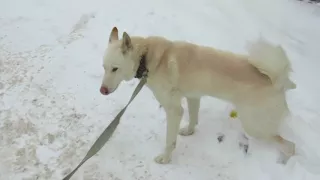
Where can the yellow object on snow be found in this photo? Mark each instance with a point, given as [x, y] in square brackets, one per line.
[233, 114]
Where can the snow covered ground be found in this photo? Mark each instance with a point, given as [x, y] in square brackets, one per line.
[51, 110]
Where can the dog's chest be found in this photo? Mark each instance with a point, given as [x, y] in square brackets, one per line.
[157, 86]
[161, 88]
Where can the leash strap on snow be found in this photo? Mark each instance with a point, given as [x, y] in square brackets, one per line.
[107, 133]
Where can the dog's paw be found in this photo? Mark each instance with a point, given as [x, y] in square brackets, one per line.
[162, 159]
[283, 158]
[185, 131]
[290, 149]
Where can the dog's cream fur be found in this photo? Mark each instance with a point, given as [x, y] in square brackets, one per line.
[255, 84]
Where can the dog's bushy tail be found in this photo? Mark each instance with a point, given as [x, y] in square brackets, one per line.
[272, 61]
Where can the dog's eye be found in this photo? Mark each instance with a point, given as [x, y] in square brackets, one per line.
[114, 69]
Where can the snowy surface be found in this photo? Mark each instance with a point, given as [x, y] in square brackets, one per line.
[51, 110]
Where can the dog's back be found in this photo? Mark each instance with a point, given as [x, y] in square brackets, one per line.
[199, 70]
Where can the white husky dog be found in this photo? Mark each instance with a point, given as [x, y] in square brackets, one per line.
[255, 84]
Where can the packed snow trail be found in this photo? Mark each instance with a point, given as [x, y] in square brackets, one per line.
[51, 110]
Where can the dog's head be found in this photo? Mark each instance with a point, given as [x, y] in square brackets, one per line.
[120, 62]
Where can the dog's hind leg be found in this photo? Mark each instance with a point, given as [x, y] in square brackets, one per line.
[174, 113]
[285, 146]
[263, 121]
[193, 106]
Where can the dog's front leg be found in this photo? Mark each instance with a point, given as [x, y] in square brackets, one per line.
[174, 112]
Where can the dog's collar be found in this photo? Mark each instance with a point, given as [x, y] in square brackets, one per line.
[142, 69]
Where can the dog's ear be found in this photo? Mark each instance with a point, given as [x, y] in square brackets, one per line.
[126, 42]
[113, 35]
